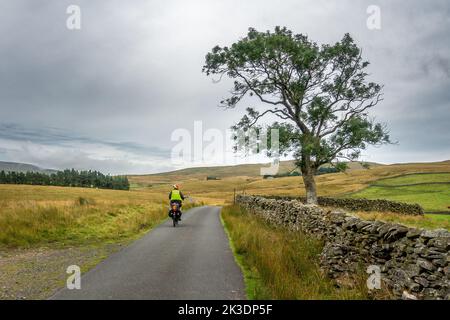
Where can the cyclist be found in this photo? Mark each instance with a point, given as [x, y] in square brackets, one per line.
[176, 196]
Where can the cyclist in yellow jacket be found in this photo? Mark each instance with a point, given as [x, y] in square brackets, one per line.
[176, 196]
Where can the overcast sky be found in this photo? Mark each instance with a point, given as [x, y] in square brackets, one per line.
[109, 96]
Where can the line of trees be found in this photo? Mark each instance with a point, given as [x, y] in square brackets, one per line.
[325, 170]
[67, 178]
[321, 170]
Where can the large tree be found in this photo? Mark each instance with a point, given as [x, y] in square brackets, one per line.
[319, 93]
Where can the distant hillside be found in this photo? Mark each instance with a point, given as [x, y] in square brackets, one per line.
[249, 170]
[22, 167]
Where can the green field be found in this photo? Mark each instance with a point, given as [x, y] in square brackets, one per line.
[420, 178]
[431, 191]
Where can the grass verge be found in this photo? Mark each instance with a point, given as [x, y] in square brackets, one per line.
[280, 264]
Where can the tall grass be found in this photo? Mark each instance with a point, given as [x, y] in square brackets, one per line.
[40, 215]
[279, 264]
[26, 224]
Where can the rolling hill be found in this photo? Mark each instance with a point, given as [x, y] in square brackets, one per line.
[241, 170]
[22, 167]
[245, 178]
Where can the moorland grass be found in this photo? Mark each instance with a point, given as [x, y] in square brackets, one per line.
[335, 184]
[42, 215]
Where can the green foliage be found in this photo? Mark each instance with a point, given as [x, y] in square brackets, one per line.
[320, 93]
[25, 226]
[67, 178]
[325, 170]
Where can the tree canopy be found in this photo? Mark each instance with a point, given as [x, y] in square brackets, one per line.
[67, 178]
[320, 94]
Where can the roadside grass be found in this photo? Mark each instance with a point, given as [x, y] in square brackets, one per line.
[38, 215]
[280, 264]
[32, 224]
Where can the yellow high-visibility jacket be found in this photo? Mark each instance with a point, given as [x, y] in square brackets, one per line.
[176, 195]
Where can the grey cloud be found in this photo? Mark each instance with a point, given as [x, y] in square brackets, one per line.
[63, 158]
[56, 136]
[438, 63]
[58, 149]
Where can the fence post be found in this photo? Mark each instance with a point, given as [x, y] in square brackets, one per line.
[234, 196]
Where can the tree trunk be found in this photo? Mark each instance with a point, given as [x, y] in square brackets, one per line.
[310, 185]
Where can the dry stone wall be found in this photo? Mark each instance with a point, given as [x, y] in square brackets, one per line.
[414, 263]
[364, 204]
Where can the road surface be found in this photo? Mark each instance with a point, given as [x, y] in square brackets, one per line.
[192, 261]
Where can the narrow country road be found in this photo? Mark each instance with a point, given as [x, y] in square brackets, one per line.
[192, 261]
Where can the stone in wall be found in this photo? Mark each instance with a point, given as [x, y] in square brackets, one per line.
[381, 205]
